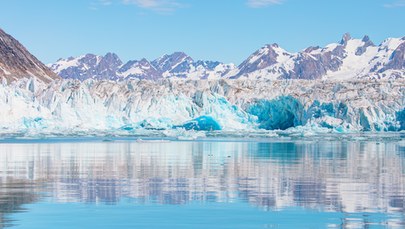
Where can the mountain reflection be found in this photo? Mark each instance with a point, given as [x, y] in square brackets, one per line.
[13, 194]
[330, 176]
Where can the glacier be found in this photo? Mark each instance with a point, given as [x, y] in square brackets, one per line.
[174, 107]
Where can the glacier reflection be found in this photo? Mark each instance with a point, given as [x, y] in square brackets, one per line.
[352, 177]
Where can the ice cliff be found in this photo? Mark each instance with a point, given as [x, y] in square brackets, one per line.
[71, 107]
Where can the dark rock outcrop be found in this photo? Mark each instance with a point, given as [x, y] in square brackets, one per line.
[397, 59]
[362, 49]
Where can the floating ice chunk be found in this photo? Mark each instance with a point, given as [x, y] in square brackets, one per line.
[203, 123]
[182, 134]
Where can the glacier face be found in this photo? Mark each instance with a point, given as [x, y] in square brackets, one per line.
[127, 107]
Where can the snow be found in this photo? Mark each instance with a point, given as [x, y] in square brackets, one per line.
[391, 43]
[369, 65]
[331, 47]
[63, 64]
[137, 70]
[262, 52]
[354, 66]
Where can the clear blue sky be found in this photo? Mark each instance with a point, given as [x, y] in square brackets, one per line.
[224, 30]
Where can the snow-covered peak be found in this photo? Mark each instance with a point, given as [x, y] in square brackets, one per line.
[348, 59]
[141, 69]
[169, 63]
[88, 66]
[271, 57]
[391, 44]
[271, 52]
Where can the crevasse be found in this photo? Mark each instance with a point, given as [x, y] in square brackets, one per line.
[69, 106]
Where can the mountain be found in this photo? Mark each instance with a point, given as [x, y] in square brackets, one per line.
[180, 65]
[348, 59]
[270, 61]
[142, 69]
[16, 62]
[88, 66]
[177, 65]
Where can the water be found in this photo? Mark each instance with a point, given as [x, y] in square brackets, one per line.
[120, 183]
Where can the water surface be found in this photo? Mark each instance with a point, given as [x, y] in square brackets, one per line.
[204, 184]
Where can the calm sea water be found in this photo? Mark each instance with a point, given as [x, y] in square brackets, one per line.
[206, 184]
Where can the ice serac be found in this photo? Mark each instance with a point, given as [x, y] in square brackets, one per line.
[16, 62]
[70, 106]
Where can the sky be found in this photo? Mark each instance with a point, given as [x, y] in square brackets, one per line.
[222, 30]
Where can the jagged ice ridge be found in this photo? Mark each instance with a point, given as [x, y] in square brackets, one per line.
[71, 106]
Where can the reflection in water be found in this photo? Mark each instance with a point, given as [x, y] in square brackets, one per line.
[13, 194]
[348, 177]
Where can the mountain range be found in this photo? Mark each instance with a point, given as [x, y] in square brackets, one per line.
[38, 102]
[348, 59]
[110, 67]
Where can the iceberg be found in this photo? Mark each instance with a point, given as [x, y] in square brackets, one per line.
[203, 123]
[68, 107]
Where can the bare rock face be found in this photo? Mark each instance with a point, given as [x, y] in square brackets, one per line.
[312, 66]
[349, 58]
[367, 43]
[89, 66]
[346, 38]
[16, 62]
[172, 63]
[141, 69]
[110, 67]
[397, 59]
[262, 58]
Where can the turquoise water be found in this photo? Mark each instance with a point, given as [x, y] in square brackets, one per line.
[122, 183]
